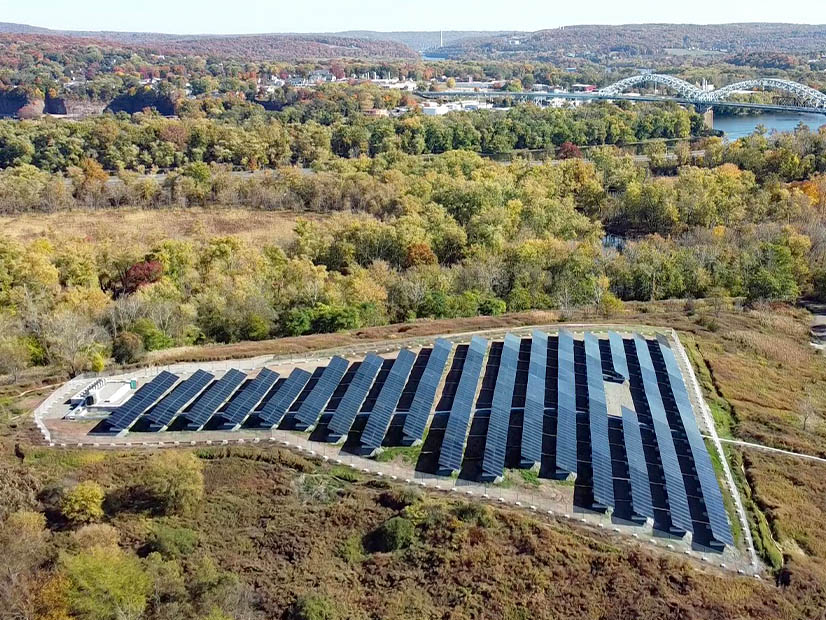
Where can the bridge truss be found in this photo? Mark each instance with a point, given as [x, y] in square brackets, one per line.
[805, 96]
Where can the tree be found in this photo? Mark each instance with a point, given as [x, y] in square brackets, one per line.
[14, 354]
[83, 504]
[569, 150]
[173, 482]
[127, 348]
[808, 411]
[141, 274]
[105, 583]
[71, 340]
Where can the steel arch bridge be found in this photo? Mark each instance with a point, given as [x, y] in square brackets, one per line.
[683, 88]
[806, 96]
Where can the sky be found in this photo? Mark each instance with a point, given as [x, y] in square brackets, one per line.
[252, 16]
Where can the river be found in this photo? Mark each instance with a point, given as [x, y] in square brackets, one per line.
[738, 126]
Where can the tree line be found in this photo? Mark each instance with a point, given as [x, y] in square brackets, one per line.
[405, 237]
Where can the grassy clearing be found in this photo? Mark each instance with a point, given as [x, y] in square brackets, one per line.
[409, 455]
[147, 226]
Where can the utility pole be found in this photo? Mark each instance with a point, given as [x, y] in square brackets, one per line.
[441, 38]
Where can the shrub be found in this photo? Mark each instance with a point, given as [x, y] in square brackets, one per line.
[474, 513]
[313, 607]
[105, 583]
[491, 306]
[399, 498]
[95, 535]
[394, 534]
[83, 504]
[172, 542]
[173, 482]
[351, 549]
[128, 348]
[153, 338]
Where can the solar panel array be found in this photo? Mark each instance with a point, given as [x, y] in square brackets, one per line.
[493, 461]
[211, 400]
[566, 462]
[651, 463]
[453, 444]
[314, 404]
[248, 398]
[641, 501]
[379, 419]
[145, 396]
[416, 420]
[532, 423]
[619, 361]
[598, 421]
[274, 410]
[184, 393]
[712, 497]
[674, 484]
[353, 398]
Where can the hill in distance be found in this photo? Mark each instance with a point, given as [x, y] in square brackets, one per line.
[646, 39]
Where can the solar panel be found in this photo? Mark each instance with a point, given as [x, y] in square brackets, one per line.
[212, 399]
[712, 496]
[243, 404]
[272, 412]
[566, 406]
[493, 461]
[351, 402]
[453, 443]
[674, 483]
[184, 393]
[619, 362]
[146, 396]
[641, 502]
[531, 448]
[416, 420]
[391, 391]
[314, 404]
[598, 421]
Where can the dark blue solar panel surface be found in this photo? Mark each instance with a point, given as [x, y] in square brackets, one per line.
[146, 396]
[712, 496]
[391, 391]
[422, 403]
[566, 405]
[637, 467]
[314, 404]
[493, 461]
[354, 397]
[275, 408]
[620, 364]
[453, 443]
[674, 484]
[598, 422]
[531, 448]
[184, 393]
[215, 396]
[251, 394]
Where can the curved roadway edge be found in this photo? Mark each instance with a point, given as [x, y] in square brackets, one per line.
[708, 420]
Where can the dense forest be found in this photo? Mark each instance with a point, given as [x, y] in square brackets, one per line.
[405, 237]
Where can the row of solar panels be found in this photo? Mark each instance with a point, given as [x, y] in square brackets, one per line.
[232, 400]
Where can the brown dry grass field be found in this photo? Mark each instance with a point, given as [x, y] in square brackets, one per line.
[145, 226]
